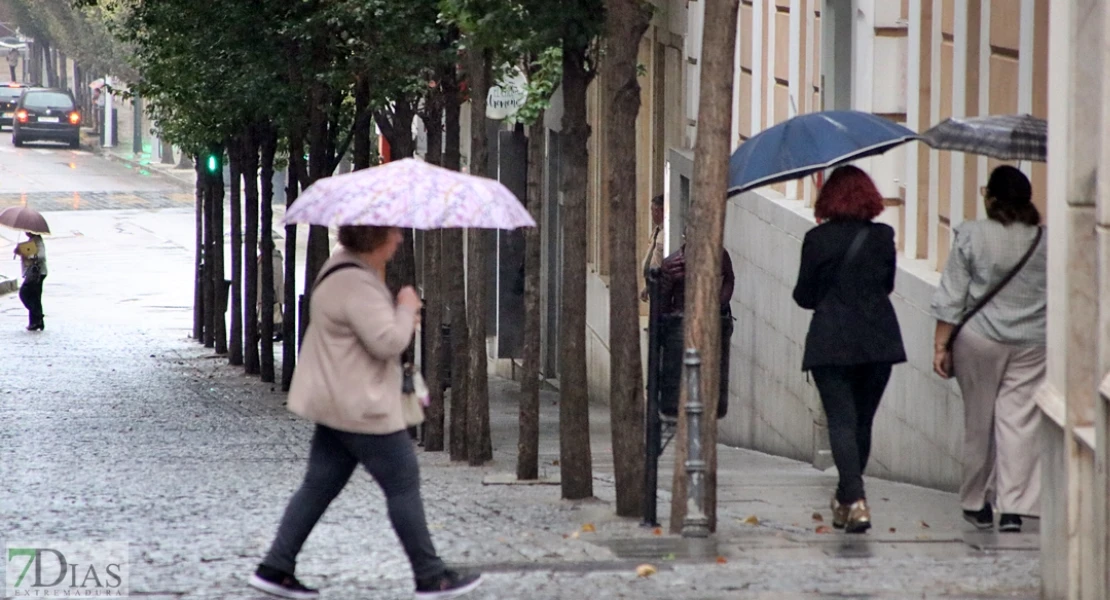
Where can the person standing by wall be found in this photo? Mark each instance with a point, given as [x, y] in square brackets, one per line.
[846, 278]
[995, 282]
[13, 62]
[654, 257]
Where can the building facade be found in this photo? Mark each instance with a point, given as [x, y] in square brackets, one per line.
[916, 62]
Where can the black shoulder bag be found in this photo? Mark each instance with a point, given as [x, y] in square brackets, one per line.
[993, 292]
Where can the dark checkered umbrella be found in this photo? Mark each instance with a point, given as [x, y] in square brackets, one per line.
[1005, 137]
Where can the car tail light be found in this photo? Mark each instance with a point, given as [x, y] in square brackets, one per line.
[74, 118]
[22, 116]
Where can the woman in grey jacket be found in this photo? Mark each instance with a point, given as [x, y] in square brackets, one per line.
[999, 357]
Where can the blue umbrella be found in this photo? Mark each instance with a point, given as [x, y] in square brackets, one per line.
[809, 143]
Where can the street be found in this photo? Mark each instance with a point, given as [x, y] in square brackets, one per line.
[114, 425]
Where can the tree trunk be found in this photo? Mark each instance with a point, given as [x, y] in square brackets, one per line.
[364, 123]
[627, 22]
[401, 271]
[250, 254]
[199, 318]
[63, 73]
[528, 443]
[319, 246]
[216, 196]
[291, 316]
[269, 150]
[479, 447]
[235, 350]
[454, 279]
[48, 60]
[575, 463]
[703, 251]
[432, 340]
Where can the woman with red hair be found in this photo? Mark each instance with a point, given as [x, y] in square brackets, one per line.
[846, 277]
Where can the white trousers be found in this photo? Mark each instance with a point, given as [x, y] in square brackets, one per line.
[1001, 423]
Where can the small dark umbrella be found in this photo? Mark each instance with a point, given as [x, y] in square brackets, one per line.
[24, 218]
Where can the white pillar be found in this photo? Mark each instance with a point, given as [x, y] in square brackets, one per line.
[109, 131]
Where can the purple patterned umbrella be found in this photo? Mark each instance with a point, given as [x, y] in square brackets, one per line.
[409, 193]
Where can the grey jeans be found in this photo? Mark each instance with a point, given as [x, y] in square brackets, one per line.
[391, 461]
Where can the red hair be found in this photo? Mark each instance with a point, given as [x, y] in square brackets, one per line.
[848, 195]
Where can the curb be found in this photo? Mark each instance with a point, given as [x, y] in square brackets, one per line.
[7, 286]
[98, 150]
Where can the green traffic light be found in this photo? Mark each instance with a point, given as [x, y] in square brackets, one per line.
[213, 163]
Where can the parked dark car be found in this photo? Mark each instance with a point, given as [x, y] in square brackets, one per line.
[46, 114]
[9, 97]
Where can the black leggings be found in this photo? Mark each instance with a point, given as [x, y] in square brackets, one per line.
[851, 397]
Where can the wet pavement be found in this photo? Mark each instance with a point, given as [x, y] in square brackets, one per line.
[115, 426]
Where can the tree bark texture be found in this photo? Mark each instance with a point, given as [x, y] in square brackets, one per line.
[291, 317]
[319, 164]
[479, 447]
[252, 360]
[364, 123]
[528, 441]
[401, 271]
[575, 462]
[454, 278]
[235, 346]
[268, 148]
[627, 22]
[704, 248]
[432, 346]
[199, 318]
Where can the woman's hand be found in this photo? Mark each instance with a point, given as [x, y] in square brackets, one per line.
[408, 298]
[942, 363]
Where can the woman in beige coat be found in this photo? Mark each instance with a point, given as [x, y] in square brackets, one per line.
[349, 383]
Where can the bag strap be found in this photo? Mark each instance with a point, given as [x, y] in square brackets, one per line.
[853, 250]
[849, 256]
[994, 291]
[333, 269]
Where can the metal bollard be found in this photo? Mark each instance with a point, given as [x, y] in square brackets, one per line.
[696, 523]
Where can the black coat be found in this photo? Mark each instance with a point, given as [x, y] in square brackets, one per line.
[853, 320]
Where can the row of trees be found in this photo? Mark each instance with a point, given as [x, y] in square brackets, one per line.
[303, 82]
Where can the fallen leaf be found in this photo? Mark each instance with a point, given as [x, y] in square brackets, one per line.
[669, 556]
[924, 525]
[823, 529]
[817, 517]
[574, 535]
[555, 462]
[657, 531]
[645, 570]
[752, 520]
[721, 560]
[886, 499]
[588, 528]
[893, 530]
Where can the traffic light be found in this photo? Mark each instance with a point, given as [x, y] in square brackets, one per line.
[212, 164]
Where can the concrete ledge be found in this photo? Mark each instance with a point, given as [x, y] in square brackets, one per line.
[8, 286]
